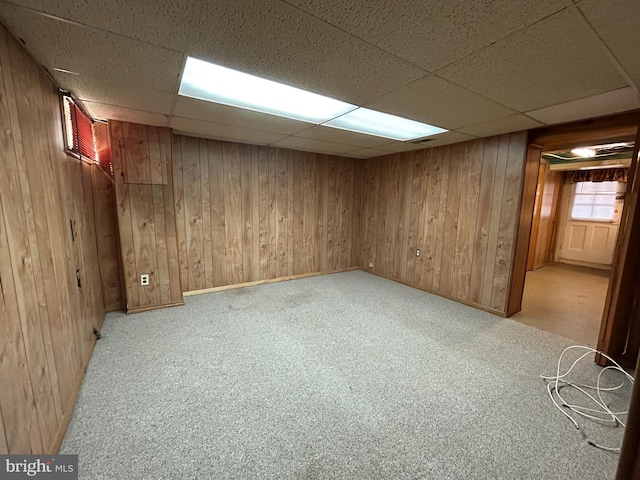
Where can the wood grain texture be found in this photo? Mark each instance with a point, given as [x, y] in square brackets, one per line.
[16, 394]
[431, 176]
[413, 216]
[483, 218]
[621, 127]
[193, 209]
[22, 237]
[46, 317]
[233, 213]
[107, 241]
[537, 210]
[544, 216]
[331, 219]
[146, 214]
[468, 217]
[274, 213]
[621, 304]
[629, 463]
[459, 205]
[144, 160]
[264, 282]
[525, 200]
[445, 156]
[452, 212]
[550, 202]
[4, 447]
[356, 216]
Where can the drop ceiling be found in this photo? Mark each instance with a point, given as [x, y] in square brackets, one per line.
[474, 67]
[612, 155]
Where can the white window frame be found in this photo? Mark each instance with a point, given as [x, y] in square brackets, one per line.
[608, 193]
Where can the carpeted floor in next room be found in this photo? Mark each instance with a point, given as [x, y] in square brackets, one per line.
[343, 376]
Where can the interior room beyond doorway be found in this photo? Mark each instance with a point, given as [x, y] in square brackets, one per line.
[566, 300]
[579, 200]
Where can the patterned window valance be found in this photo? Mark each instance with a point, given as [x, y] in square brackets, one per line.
[599, 175]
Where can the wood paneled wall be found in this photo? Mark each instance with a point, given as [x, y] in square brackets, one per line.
[247, 213]
[458, 205]
[47, 316]
[544, 216]
[107, 241]
[141, 157]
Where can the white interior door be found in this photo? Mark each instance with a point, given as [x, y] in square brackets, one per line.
[591, 222]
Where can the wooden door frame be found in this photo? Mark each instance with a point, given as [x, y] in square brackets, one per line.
[525, 224]
[614, 128]
[629, 462]
[541, 252]
[537, 210]
[619, 303]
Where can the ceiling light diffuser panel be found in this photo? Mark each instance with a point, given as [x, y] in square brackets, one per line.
[214, 83]
[584, 152]
[371, 122]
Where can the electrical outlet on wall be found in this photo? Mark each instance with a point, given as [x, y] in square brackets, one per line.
[418, 252]
[144, 279]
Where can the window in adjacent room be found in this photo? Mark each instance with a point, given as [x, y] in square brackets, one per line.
[595, 201]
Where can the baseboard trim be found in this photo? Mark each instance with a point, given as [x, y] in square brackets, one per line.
[262, 282]
[440, 294]
[56, 443]
[154, 307]
[578, 263]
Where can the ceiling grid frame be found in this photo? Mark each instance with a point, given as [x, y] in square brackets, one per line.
[120, 95]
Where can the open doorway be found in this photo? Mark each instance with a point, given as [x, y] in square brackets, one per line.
[578, 202]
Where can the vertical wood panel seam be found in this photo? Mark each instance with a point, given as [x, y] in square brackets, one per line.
[17, 135]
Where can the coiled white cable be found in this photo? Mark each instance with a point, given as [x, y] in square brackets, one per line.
[602, 412]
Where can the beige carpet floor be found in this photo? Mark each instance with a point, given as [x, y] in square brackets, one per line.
[346, 376]
[566, 300]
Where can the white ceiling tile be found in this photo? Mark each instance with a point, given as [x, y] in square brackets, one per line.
[513, 123]
[101, 111]
[311, 145]
[448, 138]
[556, 60]
[215, 112]
[161, 22]
[368, 153]
[617, 101]
[616, 22]
[534, 56]
[102, 91]
[95, 53]
[437, 140]
[429, 100]
[396, 147]
[336, 135]
[220, 131]
[280, 42]
[430, 33]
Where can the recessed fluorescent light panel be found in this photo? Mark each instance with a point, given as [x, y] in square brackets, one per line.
[584, 152]
[384, 125]
[213, 83]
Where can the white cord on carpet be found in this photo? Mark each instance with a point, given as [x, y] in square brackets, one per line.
[602, 413]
